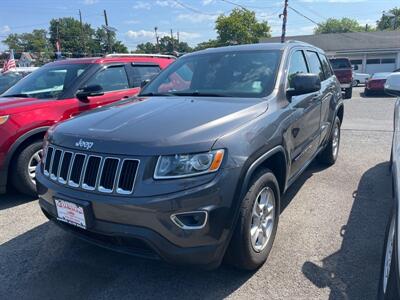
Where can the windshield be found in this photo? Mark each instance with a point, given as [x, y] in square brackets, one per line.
[7, 80]
[340, 63]
[48, 82]
[224, 74]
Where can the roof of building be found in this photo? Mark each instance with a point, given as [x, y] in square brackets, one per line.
[351, 41]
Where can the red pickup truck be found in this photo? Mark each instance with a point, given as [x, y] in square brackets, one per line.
[344, 73]
[58, 91]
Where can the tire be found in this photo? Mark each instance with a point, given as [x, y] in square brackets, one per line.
[20, 175]
[243, 253]
[355, 83]
[348, 93]
[329, 155]
[389, 289]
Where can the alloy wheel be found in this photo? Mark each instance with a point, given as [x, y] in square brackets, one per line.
[263, 219]
[33, 162]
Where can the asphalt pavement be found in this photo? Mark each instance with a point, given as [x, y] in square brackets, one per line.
[328, 246]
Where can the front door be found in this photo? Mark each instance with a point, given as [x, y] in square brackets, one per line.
[304, 131]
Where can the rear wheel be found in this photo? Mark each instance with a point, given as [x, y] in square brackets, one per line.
[388, 284]
[355, 83]
[23, 170]
[329, 155]
[348, 93]
[258, 221]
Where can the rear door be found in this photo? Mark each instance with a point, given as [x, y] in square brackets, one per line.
[305, 130]
[114, 81]
[139, 72]
[330, 92]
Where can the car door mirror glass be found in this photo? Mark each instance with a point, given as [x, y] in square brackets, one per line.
[303, 83]
[89, 91]
[392, 85]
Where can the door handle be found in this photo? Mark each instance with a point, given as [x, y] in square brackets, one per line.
[125, 97]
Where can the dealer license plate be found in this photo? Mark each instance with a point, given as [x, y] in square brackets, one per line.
[70, 213]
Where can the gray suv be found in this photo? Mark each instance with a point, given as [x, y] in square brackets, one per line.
[193, 169]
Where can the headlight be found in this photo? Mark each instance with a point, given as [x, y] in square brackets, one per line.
[3, 119]
[186, 165]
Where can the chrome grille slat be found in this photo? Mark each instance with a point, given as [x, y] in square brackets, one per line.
[101, 173]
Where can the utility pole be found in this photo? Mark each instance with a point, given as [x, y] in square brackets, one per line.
[177, 35]
[109, 50]
[284, 14]
[82, 33]
[158, 43]
[172, 41]
[58, 46]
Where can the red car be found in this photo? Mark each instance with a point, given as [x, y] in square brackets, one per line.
[344, 73]
[376, 84]
[58, 91]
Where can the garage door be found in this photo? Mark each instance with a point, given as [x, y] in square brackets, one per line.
[376, 65]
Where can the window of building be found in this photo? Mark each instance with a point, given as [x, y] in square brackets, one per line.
[373, 61]
[356, 61]
[388, 61]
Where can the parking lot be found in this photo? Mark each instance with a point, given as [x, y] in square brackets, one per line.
[328, 246]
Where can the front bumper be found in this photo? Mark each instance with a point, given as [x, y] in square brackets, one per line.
[142, 225]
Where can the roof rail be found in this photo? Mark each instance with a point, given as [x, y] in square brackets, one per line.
[296, 41]
[140, 55]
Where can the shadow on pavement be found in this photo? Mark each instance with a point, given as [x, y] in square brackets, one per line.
[12, 199]
[48, 263]
[353, 271]
[373, 95]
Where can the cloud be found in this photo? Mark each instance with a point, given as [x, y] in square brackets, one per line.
[5, 29]
[196, 18]
[141, 5]
[90, 2]
[146, 34]
[206, 2]
[167, 3]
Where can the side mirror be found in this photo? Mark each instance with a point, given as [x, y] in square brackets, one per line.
[355, 67]
[89, 91]
[144, 83]
[392, 85]
[303, 83]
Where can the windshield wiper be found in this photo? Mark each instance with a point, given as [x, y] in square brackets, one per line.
[17, 95]
[198, 94]
[155, 94]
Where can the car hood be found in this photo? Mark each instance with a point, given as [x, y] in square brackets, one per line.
[12, 105]
[158, 125]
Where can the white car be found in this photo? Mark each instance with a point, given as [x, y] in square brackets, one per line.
[389, 285]
[360, 78]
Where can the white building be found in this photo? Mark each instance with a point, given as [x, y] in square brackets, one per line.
[371, 51]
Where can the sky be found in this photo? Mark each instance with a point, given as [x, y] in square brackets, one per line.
[194, 19]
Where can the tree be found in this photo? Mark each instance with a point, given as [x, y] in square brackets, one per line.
[240, 27]
[35, 41]
[73, 39]
[339, 26]
[207, 44]
[390, 23]
[166, 45]
[101, 39]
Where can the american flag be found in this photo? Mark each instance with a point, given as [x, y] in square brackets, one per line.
[10, 63]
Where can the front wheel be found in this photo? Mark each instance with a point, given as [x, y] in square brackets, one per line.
[23, 171]
[355, 83]
[258, 221]
[329, 155]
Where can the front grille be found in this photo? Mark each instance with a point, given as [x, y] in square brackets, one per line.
[91, 172]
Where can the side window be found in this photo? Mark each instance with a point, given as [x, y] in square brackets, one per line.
[139, 73]
[297, 65]
[111, 79]
[315, 64]
[326, 66]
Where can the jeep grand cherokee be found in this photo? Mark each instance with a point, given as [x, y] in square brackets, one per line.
[196, 172]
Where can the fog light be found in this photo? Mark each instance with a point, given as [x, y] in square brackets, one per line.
[190, 220]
